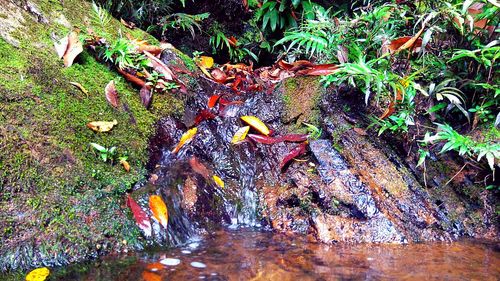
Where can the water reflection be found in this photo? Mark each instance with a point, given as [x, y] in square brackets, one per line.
[254, 255]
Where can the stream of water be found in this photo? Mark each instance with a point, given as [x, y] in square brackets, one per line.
[247, 254]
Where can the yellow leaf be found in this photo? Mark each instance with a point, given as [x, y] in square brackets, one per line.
[80, 87]
[39, 274]
[125, 165]
[240, 135]
[159, 210]
[256, 124]
[206, 62]
[186, 137]
[218, 181]
[102, 126]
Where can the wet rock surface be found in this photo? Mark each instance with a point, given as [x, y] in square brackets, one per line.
[350, 187]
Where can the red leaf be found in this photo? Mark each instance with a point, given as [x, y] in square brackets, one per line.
[198, 167]
[146, 95]
[219, 75]
[263, 139]
[295, 152]
[132, 78]
[205, 114]
[212, 101]
[319, 70]
[232, 41]
[111, 94]
[141, 218]
[294, 137]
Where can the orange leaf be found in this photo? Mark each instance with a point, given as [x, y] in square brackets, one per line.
[159, 210]
[219, 75]
[111, 94]
[406, 42]
[212, 101]
[73, 49]
[233, 41]
[186, 137]
[101, 126]
[319, 70]
[132, 79]
[125, 165]
[150, 276]
[256, 123]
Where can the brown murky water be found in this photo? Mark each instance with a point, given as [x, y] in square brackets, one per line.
[254, 255]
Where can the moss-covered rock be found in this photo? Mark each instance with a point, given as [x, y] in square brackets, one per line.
[59, 202]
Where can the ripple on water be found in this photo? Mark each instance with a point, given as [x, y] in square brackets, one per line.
[198, 264]
[170, 261]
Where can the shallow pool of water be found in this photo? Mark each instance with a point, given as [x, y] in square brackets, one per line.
[254, 255]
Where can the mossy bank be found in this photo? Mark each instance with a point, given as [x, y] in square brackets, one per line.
[59, 202]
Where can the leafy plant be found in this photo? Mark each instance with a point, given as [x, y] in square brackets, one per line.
[99, 16]
[284, 14]
[464, 145]
[184, 22]
[314, 132]
[105, 153]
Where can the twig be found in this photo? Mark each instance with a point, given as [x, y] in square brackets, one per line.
[456, 174]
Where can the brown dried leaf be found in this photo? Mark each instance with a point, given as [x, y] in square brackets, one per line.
[80, 87]
[159, 66]
[74, 48]
[146, 96]
[101, 126]
[130, 25]
[111, 94]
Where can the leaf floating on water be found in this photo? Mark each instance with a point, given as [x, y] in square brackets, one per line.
[159, 210]
[186, 137]
[80, 87]
[198, 167]
[256, 123]
[39, 274]
[102, 126]
[240, 135]
[73, 49]
[218, 181]
[263, 139]
[294, 137]
[150, 276]
[295, 152]
[111, 94]
[141, 218]
[125, 165]
[146, 96]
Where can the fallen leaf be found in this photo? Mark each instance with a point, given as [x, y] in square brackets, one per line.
[155, 266]
[295, 152]
[240, 135]
[150, 276]
[125, 165]
[204, 115]
[61, 46]
[219, 75]
[80, 87]
[132, 78]
[342, 54]
[153, 178]
[111, 94]
[273, 140]
[407, 42]
[186, 137]
[146, 96]
[212, 101]
[39, 274]
[130, 25]
[206, 62]
[159, 66]
[102, 126]
[159, 210]
[319, 70]
[218, 181]
[141, 218]
[256, 123]
[74, 48]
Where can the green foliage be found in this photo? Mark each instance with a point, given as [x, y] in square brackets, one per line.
[99, 16]
[184, 22]
[314, 132]
[284, 14]
[105, 153]
[464, 145]
[236, 49]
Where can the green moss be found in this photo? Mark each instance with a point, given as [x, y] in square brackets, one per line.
[68, 197]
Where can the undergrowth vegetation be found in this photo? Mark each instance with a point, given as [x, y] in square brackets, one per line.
[427, 70]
